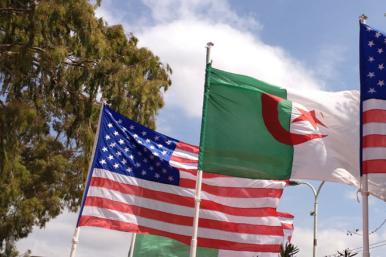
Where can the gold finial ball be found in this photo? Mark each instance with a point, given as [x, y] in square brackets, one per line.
[363, 17]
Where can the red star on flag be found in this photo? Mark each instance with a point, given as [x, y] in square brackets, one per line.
[309, 116]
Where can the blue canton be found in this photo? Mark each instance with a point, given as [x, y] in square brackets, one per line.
[372, 63]
[129, 148]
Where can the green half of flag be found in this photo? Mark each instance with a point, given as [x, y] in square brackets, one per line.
[235, 139]
[157, 246]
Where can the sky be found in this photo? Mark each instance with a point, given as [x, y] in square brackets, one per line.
[298, 44]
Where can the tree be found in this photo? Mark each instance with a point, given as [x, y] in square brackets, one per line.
[289, 250]
[56, 60]
[346, 253]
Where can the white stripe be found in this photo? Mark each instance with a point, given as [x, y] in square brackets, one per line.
[228, 253]
[286, 220]
[188, 166]
[287, 223]
[177, 209]
[101, 173]
[374, 153]
[287, 233]
[184, 154]
[237, 182]
[232, 202]
[179, 229]
[371, 104]
[377, 181]
[374, 128]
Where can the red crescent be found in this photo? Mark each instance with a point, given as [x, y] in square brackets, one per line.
[271, 120]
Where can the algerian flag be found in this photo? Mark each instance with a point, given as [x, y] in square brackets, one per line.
[256, 130]
[157, 246]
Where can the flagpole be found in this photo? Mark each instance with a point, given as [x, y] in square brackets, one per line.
[365, 214]
[364, 183]
[75, 238]
[197, 197]
[132, 244]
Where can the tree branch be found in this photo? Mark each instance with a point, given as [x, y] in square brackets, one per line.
[14, 10]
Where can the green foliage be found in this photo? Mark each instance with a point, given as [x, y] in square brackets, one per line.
[56, 59]
[289, 250]
[346, 253]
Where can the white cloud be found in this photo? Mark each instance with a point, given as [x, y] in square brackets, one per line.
[181, 44]
[167, 11]
[331, 240]
[179, 31]
[330, 59]
[55, 240]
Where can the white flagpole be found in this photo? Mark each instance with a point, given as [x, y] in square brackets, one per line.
[365, 214]
[75, 241]
[132, 244]
[197, 197]
[75, 238]
[364, 185]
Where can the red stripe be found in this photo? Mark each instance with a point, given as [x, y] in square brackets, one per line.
[183, 220]
[287, 226]
[182, 160]
[202, 242]
[208, 175]
[187, 147]
[237, 192]
[205, 175]
[374, 166]
[375, 115]
[285, 215]
[374, 141]
[139, 211]
[179, 200]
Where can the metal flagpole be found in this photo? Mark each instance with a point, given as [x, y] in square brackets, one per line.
[365, 214]
[75, 238]
[197, 197]
[364, 184]
[132, 245]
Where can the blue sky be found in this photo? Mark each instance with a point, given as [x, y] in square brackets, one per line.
[298, 44]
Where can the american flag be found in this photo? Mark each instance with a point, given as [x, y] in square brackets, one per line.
[373, 103]
[287, 221]
[142, 181]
